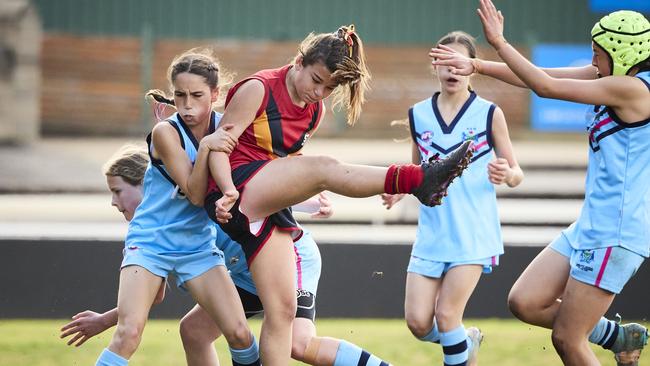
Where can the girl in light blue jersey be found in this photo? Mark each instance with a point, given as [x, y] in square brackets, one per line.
[591, 261]
[169, 234]
[124, 173]
[460, 239]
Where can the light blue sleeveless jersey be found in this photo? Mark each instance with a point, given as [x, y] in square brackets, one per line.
[616, 211]
[166, 222]
[466, 226]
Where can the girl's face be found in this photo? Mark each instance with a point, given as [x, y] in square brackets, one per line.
[312, 83]
[600, 60]
[126, 197]
[193, 98]
[450, 83]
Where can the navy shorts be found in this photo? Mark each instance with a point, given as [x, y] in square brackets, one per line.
[239, 228]
[306, 304]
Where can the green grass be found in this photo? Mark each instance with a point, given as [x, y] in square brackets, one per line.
[507, 342]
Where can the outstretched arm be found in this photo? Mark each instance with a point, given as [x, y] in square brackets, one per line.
[614, 91]
[463, 65]
[88, 324]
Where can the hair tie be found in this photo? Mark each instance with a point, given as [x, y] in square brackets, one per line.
[346, 35]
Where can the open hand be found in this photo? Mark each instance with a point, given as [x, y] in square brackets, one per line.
[224, 204]
[492, 21]
[446, 56]
[389, 200]
[83, 326]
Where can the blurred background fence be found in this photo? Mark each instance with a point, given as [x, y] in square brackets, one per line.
[98, 57]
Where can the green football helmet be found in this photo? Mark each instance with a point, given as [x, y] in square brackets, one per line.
[625, 36]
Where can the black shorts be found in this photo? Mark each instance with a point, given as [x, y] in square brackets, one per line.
[253, 306]
[238, 226]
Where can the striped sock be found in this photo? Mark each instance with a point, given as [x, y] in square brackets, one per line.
[454, 346]
[434, 334]
[109, 358]
[246, 357]
[605, 333]
[349, 354]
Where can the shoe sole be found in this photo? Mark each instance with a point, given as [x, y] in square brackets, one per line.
[436, 198]
[631, 355]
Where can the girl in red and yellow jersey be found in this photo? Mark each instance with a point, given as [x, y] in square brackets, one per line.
[274, 112]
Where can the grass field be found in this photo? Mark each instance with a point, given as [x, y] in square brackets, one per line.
[507, 342]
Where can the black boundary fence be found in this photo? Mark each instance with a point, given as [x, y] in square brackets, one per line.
[56, 279]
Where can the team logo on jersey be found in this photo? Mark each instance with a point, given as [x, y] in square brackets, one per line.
[426, 136]
[470, 135]
[587, 256]
[584, 268]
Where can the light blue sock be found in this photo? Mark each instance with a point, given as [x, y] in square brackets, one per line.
[603, 332]
[247, 356]
[108, 358]
[349, 354]
[434, 334]
[454, 346]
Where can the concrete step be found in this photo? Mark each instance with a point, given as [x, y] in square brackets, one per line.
[512, 211]
[85, 208]
[89, 232]
[60, 165]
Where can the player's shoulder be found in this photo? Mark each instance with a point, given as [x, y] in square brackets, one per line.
[481, 101]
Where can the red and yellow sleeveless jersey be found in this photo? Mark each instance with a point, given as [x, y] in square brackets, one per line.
[280, 128]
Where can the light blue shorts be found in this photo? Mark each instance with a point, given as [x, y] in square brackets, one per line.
[308, 264]
[436, 269]
[607, 268]
[183, 267]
